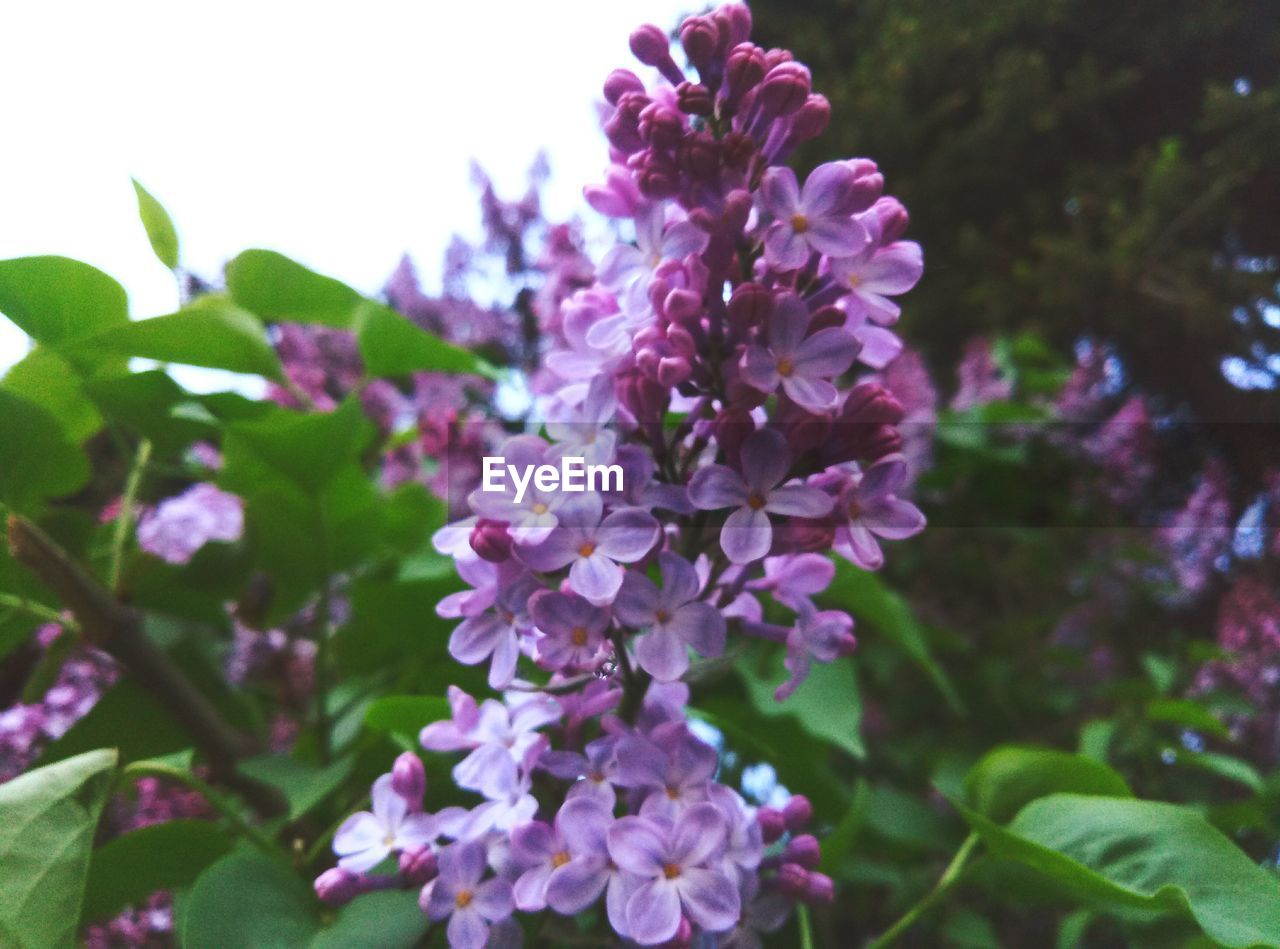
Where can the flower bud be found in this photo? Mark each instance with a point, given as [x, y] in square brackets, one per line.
[784, 90]
[651, 46]
[772, 824]
[821, 889]
[683, 938]
[700, 37]
[893, 219]
[660, 126]
[681, 305]
[750, 305]
[693, 98]
[418, 865]
[699, 156]
[798, 812]
[490, 540]
[793, 880]
[734, 20]
[409, 779]
[737, 150]
[656, 173]
[804, 850]
[673, 370]
[811, 119]
[742, 72]
[337, 886]
[620, 82]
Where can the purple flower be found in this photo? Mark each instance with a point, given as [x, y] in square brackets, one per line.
[495, 733]
[592, 772]
[756, 493]
[367, 838]
[869, 508]
[678, 866]
[495, 632]
[671, 619]
[180, 526]
[457, 894]
[671, 765]
[628, 271]
[572, 629]
[823, 634]
[592, 548]
[875, 275]
[815, 219]
[531, 519]
[795, 577]
[802, 364]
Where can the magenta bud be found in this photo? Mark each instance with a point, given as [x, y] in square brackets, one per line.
[656, 174]
[409, 779]
[811, 119]
[620, 82]
[785, 88]
[418, 865]
[700, 37]
[750, 305]
[693, 98]
[673, 370]
[798, 812]
[699, 155]
[743, 70]
[893, 219]
[793, 880]
[821, 889]
[804, 850]
[735, 20]
[660, 126]
[337, 886]
[650, 45]
[490, 540]
[681, 305]
[772, 824]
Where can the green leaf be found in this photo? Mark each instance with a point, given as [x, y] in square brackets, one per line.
[867, 598]
[50, 815]
[152, 405]
[1009, 777]
[57, 300]
[307, 448]
[303, 784]
[212, 332]
[161, 857]
[159, 226]
[827, 705]
[376, 921]
[277, 288]
[248, 900]
[44, 377]
[1147, 856]
[40, 460]
[1188, 714]
[393, 346]
[1224, 766]
[406, 714]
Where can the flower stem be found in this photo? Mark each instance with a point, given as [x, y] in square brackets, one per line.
[125, 519]
[948, 879]
[38, 610]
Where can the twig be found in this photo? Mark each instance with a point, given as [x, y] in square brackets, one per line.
[949, 876]
[124, 520]
[117, 630]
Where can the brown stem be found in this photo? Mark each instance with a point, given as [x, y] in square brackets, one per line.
[117, 630]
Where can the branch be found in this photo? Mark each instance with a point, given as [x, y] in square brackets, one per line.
[117, 630]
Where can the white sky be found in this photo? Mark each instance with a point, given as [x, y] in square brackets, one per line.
[337, 133]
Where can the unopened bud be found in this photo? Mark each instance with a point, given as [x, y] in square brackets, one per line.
[793, 880]
[409, 779]
[418, 865]
[693, 98]
[804, 850]
[821, 889]
[491, 540]
[784, 90]
[337, 886]
[620, 82]
[772, 824]
[798, 812]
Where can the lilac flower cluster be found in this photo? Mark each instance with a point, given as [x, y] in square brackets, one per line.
[25, 728]
[176, 528]
[713, 362]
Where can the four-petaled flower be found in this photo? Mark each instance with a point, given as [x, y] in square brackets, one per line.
[869, 508]
[670, 620]
[758, 492]
[366, 838]
[461, 895]
[572, 629]
[802, 364]
[817, 218]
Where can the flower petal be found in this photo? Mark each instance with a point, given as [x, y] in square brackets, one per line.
[747, 535]
[576, 885]
[715, 487]
[653, 912]
[701, 626]
[637, 846]
[663, 654]
[628, 534]
[798, 500]
[596, 578]
[710, 898]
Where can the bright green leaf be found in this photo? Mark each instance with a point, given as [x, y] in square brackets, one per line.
[393, 346]
[376, 921]
[406, 714]
[277, 288]
[303, 784]
[46, 835]
[827, 705]
[1009, 777]
[56, 300]
[40, 460]
[159, 226]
